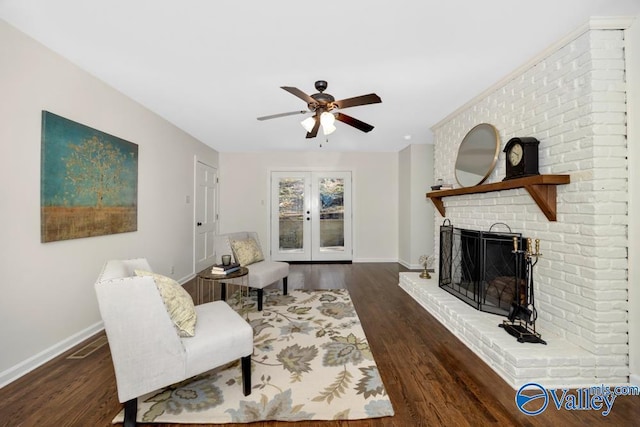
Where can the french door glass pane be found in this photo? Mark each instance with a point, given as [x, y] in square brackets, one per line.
[291, 214]
[331, 202]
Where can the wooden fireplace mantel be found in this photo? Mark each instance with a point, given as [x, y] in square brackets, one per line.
[542, 189]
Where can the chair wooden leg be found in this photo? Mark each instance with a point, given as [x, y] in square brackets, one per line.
[130, 412]
[246, 375]
[260, 295]
[284, 286]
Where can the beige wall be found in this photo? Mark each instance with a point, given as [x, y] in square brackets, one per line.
[415, 210]
[245, 188]
[48, 301]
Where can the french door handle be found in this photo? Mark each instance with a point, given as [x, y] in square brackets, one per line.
[199, 224]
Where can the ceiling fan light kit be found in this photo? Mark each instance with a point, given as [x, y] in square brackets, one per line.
[308, 123]
[327, 121]
[321, 104]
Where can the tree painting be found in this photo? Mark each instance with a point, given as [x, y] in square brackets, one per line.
[95, 169]
[89, 181]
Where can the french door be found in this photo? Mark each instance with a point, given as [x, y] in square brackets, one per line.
[311, 216]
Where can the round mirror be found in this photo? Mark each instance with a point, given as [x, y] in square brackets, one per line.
[477, 155]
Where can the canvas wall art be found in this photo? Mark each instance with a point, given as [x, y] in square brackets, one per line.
[89, 181]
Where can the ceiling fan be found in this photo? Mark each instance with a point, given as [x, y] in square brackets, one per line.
[321, 104]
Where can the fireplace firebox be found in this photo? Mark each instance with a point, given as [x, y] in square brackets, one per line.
[481, 268]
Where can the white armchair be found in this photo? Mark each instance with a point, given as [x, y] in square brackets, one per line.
[147, 351]
[262, 273]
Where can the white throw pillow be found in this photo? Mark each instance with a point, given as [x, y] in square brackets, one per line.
[177, 301]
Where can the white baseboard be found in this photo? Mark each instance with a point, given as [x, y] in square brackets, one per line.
[634, 379]
[410, 266]
[375, 260]
[185, 279]
[43, 357]
[399, 261]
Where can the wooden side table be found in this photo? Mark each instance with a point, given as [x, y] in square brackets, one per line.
[206, 277]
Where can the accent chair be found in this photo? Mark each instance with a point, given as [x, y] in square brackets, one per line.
[149, 347]
[246, 250]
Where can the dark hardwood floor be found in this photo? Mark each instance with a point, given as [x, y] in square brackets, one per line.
[431, 377]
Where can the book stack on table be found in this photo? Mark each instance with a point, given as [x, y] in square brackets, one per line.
[225, 269]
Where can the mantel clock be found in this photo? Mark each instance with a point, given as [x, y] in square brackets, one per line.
[521, 157]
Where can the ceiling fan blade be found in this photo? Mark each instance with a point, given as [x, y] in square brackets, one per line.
[364, 127]
[275, 116]
[371, 98]
[300, 94]
[314, 131]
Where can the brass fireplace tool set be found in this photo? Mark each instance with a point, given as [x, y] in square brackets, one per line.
[522, 313]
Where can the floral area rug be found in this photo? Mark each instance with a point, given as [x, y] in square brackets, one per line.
[311, 361]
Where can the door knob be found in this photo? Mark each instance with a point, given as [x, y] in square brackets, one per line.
[199, 224]
[308, 219]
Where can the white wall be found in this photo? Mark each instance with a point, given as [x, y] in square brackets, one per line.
[245, 187]
[415, 210]
[404, 206]
[48, 301]
[573, 101]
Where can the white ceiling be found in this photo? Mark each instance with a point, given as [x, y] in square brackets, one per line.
[212, 66]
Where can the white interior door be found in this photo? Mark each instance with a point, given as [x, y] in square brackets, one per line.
[206, 215]
[311, 216]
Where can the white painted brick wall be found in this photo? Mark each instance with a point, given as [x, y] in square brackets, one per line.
[574, 103]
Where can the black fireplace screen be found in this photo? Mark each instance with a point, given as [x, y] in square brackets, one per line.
[480, 268]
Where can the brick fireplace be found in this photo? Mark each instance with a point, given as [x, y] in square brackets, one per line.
[573, 100]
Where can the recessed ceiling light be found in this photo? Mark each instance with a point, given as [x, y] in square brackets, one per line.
[407, 137]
